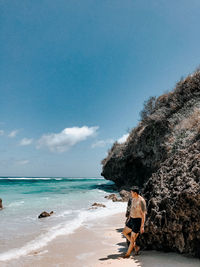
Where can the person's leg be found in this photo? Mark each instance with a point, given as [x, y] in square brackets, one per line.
[126, 232]
[132, 244]
[137, 248]
[137, 229]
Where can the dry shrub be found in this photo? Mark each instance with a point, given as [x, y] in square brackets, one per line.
[192, 122]
[148, 108]
[163, 99]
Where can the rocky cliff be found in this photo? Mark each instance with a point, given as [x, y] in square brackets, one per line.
[173, 194]
[162, 157]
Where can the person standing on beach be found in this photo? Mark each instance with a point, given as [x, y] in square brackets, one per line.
[136, 212]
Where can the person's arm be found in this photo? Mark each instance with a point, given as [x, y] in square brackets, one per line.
[128, 208]
[143, 211]
[142, 223]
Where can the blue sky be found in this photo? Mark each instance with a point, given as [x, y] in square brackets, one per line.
[74, 76]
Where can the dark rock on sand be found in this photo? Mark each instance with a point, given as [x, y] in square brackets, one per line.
[45, 214]
[1, 205]
[162, 157]
[113, 197]
[125, 195]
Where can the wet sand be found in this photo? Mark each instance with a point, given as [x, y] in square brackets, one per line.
[98, 244]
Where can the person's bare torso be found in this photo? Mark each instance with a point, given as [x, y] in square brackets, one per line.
[138, 207]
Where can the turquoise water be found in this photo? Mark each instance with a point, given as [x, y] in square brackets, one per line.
[24, 198]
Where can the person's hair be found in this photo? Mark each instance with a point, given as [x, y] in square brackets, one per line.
[135, 189]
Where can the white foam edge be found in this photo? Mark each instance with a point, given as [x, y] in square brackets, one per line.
[16, 203]
[63, 214]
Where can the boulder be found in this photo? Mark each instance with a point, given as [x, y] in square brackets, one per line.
[113, 197]
[98, 205]
[125, 195]
[45, 214]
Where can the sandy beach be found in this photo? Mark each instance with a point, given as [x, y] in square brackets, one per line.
[98, 243]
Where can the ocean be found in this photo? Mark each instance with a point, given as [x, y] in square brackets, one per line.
[24, 198]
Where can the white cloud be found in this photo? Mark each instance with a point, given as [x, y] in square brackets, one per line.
[25, 142]
[13, 133]
[1, 132]
[67, 138]
[22, 162]
[102, 143]
[123, 138]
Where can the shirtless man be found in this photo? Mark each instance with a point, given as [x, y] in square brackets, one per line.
[136, 218]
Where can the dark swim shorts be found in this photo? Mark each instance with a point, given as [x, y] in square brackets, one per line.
[134, 224]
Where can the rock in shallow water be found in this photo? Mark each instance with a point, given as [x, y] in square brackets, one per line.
[1, 205]
[45, 214]
[98, 205]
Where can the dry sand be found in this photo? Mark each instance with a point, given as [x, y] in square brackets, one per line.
[96, 245]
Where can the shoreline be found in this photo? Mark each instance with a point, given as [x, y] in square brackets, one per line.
[98, 243]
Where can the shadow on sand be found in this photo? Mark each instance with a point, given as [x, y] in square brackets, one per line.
[153, 258]
[122, 249]
[119, 230]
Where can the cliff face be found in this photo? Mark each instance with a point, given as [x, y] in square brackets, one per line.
[173, 194]
[162, 157]
[134, 161]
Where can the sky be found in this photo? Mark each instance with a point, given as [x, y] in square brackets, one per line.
[74, 76]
